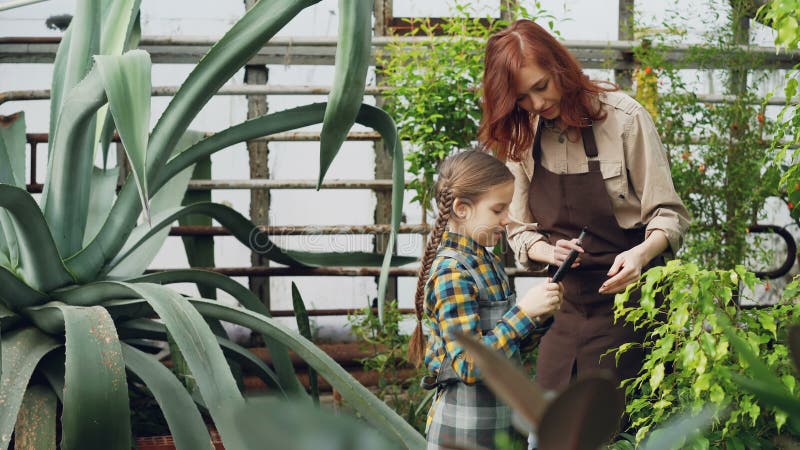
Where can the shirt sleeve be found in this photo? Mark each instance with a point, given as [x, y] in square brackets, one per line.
[651, 179]
[456, 308]
[522, 232]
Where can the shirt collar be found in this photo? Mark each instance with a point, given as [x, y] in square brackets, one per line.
[463, 244]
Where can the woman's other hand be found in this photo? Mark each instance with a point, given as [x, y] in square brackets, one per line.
[627, 269]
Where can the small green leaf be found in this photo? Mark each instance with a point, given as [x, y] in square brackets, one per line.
[657, 377]
[716, 394]
[768, 322]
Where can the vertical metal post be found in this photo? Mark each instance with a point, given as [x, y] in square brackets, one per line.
[383, 162]
[259, 154]
[624, 77]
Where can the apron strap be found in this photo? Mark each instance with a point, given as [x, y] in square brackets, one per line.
[483, 289]
[589, 144]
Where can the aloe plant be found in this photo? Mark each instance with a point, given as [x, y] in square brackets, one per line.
[74, 305]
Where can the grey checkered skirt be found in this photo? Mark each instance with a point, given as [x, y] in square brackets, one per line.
[466, 415]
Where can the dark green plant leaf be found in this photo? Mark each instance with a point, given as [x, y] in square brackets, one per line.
[12, 172]
[349, 80]
[200, 349]
[373, 409]
[119, 20]
[22, 350]
[74, 56]
[102, 194]
[184, 420]
[149, 329]
[114, 233]
[12, 149]
[199, 249]
[16, 294]
[248, 234]
[42, 268]
[96, 411]
[258, 25]
[169, 196]
[52, 368]
[65, 198]
[36, 421]
[304, 326]
[8, 319]
[280, 356]
[383, 123]
[302, 116]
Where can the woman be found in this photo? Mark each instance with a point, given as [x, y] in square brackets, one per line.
[582, 154]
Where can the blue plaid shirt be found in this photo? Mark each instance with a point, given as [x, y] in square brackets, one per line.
[451, 303]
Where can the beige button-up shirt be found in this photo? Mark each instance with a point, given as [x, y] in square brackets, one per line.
[634, 166]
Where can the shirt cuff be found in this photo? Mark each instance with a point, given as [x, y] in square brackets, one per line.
[526, 241]
[666, 225]
[518, 321]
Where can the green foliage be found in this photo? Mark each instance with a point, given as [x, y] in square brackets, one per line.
[720, 156]
[432, 88]
[690, 363]
[782, 16]
[74, 309]
[398, 382]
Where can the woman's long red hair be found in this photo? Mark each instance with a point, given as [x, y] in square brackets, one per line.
[507, 129]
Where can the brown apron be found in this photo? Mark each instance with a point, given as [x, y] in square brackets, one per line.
[584, 328]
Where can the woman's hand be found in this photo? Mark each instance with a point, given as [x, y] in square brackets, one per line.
[628, 265]
[627, 268]
[542, 300]
[561, 251]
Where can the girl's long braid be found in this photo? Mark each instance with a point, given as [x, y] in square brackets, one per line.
[416, 346]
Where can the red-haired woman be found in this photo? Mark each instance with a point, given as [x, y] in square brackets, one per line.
[582, 154]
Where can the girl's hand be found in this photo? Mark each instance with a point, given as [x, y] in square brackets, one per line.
[562, 249]
[542, 300]
[627, 269]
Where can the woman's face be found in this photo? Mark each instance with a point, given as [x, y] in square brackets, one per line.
[537, 92]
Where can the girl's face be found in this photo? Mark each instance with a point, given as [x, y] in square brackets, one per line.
[485, 219]
[537, 92]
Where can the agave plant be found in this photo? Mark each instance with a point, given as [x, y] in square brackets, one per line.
[75, 310]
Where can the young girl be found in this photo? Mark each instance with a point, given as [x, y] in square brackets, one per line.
[465, 288]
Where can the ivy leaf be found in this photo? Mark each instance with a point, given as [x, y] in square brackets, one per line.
[780, 419]
[717, 395]
[768, 322]
[657, 377]
[791, 88]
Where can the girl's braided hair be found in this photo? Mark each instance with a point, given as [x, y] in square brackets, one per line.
[466, 176]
